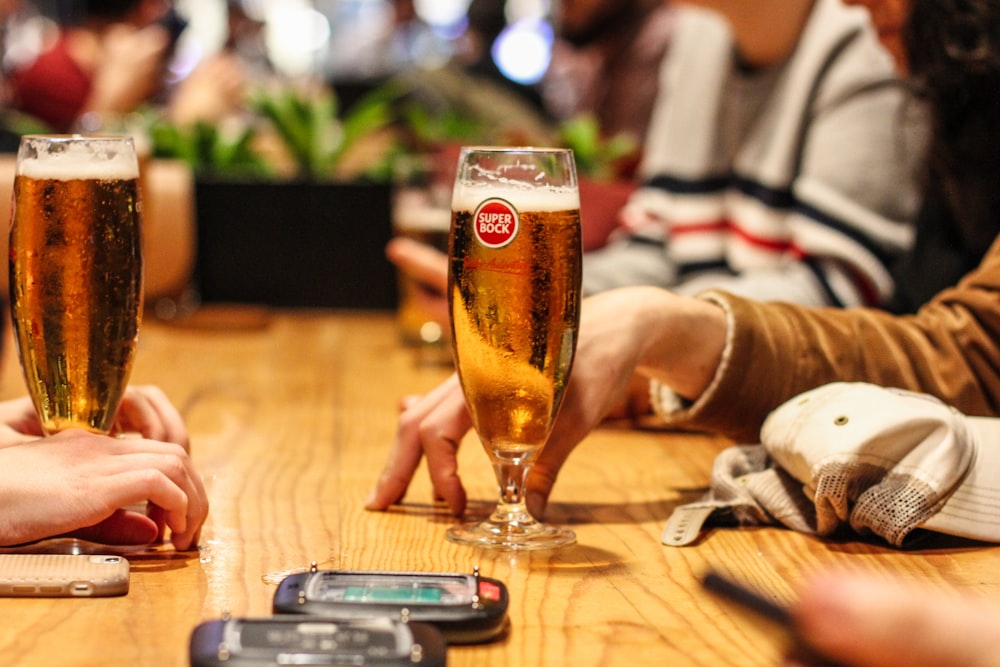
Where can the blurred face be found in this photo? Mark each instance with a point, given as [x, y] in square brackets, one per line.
[580, 20]
[888, 17]
[149, 12]
[8, 7]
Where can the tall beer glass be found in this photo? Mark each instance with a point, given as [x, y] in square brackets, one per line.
[514, 301]
[76, 275]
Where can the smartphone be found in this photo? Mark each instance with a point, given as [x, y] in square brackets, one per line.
[755, 603]
[466, 608]
[63, 575]
[300, 640]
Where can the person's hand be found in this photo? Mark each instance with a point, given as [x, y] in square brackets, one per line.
[75, 483]
[425, 264]
[676, 339]
[607, 355]
[18, 422]
[635, 404]
[431, 425]
[627, 336]
[145, 410]
[169, 476]
[434, 425]
[215, 89]
[867, 621]
[428, 267]
[130, 68]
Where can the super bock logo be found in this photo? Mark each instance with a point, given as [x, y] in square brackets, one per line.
[496, 223]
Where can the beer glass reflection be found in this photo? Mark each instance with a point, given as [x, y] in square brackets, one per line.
[76, 275]
[514, 301]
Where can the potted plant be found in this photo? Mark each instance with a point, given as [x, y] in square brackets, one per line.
[281, 219]
[294, 205]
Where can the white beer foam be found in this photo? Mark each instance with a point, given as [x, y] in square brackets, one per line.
[467, 197]
[76, 162]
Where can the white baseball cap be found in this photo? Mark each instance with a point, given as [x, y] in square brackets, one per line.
[879, 460]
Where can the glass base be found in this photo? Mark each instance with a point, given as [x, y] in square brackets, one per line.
[520, 536]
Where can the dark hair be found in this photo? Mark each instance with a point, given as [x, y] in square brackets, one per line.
[68, 12]
[108, 9]
[953, 52]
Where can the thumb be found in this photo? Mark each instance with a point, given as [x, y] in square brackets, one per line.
[537, 489]
[543, 473]
[121, 528]
[571, 427]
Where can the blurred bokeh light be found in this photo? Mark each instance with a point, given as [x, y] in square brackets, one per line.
[336, 39]
[523, 50]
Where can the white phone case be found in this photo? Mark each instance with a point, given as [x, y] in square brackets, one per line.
[63, 575]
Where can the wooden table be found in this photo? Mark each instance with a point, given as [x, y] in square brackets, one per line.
[291, 416]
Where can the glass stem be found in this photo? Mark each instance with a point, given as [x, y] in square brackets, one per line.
[511, 509]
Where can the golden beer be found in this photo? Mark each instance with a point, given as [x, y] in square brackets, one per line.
[514, 305]
[515, 312]
[76, 284]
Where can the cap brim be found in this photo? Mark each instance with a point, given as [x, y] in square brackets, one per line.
[972, 510]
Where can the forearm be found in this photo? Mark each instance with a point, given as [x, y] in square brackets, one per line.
[777, 351]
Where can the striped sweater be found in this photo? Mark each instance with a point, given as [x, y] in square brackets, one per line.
[795, 183]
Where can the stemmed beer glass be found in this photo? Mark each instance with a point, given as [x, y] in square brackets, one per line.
[76, 275]
[514, 302]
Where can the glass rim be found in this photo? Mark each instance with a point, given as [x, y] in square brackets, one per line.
[68, 137]
[515, 149]
[63, 156]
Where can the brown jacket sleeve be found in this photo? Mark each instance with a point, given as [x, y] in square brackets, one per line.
[950, 348]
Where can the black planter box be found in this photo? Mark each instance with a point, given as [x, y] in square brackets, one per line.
[295, 244]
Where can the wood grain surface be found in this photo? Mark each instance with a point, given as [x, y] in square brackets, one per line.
[292, 415]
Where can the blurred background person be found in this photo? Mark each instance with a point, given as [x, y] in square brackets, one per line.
[606, 61]
[110, 57]
[106, 59]
[517, 79]
[959, 76]
[487, 20]
[605, 66]
[467, 94]
[246, 38]
[780, 164]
